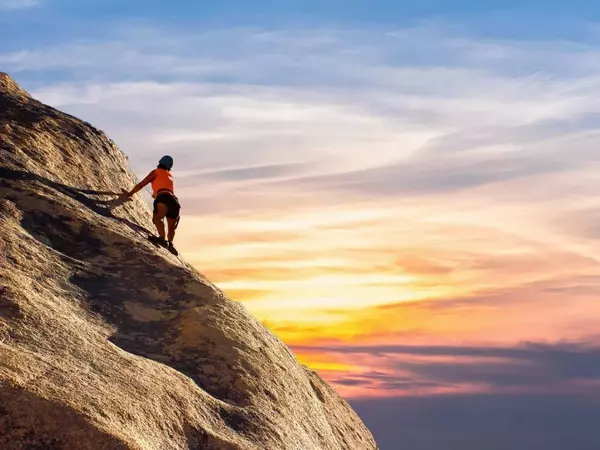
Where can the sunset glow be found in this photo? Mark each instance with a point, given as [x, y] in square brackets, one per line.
[482, 266]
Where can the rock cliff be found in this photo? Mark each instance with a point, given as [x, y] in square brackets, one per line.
[107, 342]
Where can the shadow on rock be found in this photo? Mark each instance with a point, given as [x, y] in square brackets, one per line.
[101, 207]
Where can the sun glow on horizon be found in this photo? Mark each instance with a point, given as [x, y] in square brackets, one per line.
[414, 268]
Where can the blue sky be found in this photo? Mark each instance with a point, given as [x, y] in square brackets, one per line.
[50, 21]
[406, 192]
[44, 24]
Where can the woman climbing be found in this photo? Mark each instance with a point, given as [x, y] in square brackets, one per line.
[166, 204]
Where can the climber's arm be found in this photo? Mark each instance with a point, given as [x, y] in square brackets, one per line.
[138, 187]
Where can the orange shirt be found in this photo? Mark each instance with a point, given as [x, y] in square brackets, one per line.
[163, 180]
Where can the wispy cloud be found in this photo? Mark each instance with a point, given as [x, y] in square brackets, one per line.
[566, 368]
[330, 94]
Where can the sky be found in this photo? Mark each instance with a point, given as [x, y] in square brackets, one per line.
[405, 192]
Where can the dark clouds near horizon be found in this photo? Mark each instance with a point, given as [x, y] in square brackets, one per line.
[530, 367]
[536, 396]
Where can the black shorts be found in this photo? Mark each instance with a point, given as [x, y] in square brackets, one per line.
[171, 202]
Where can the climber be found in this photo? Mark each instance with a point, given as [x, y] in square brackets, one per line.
[166, 204]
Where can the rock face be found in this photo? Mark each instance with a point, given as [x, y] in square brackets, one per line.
[107, 342]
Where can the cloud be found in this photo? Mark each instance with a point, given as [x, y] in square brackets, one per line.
[255, 97]
[8, 5]
[571, 368]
